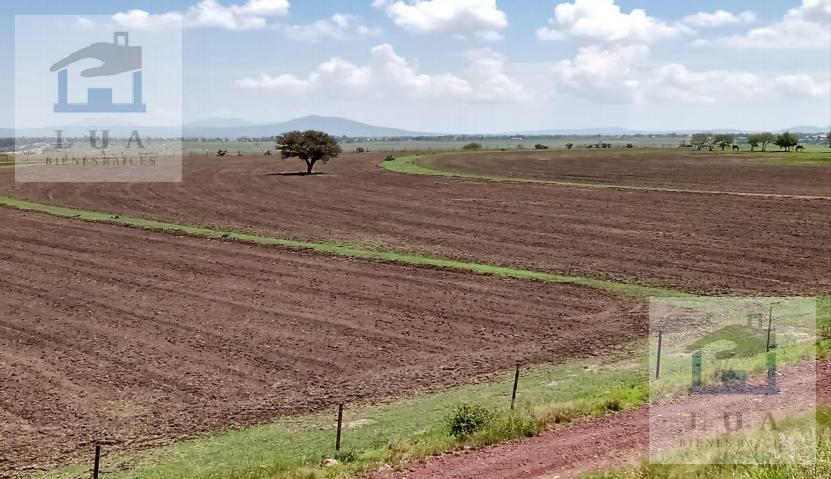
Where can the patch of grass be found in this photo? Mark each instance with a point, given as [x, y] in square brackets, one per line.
[345, 250]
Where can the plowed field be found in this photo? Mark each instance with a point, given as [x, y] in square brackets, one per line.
[116, 333]
[699, 242]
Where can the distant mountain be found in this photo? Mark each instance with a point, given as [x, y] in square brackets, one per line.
[612, 130]
[218, 123]
[809, 129]
[237, 128]
[332, 125]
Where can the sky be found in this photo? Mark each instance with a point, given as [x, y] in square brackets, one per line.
[483, 66]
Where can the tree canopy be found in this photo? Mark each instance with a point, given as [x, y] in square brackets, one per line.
[723, 140]
[700, 140]
[765, 138]
[786, 141]
[310, 146]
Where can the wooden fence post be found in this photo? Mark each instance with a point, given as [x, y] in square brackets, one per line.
[97, 463]
[340, 425]
[658, 359]
[516, 383]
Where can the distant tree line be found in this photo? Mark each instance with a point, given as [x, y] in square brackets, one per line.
[785, 141]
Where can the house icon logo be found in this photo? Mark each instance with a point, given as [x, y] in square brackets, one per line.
[116, 58]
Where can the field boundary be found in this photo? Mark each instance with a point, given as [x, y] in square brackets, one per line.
[631, 289]
[414, 165]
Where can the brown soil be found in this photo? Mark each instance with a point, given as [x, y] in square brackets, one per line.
[112, 332]
[699, 242]
[617, 440]
[658, 169]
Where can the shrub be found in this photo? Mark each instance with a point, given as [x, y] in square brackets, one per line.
[466, 419]
[360, 149]
[346, 456]
[389, 158]
[472, 146]
[509, 426]
[540, 146]
[613, 404]
[561, 415]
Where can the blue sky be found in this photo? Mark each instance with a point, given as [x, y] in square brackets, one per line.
[487, 65]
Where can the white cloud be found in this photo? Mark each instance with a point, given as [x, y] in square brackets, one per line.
[624, 74]
[208, 13]
[462, 18]
[487, 72]
[603, 73]
[141, 20]
[337, 27]
[251, 15]
[390, 76]
[807, 27]
[719, 18]
[603, 21]
[84, 23]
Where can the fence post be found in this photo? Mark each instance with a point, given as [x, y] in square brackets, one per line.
[340, 425]
[97, 463]
[516, 383]
[658, 359]
[696, 370]
[770, 324]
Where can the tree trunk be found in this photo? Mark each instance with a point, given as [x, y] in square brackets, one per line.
[309, 166]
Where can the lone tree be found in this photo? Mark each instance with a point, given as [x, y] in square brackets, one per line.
[753, 141]
[786, 141]
[765, 139]
[723, 140]
[310, 146]
[700, 140]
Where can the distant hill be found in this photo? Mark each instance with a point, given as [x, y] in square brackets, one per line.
[611, 130]
[238, 128]
[332, 125]
[218, 123]
[809, 129]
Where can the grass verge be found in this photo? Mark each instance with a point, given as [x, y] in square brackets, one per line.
[415, 165]
[392, 434]
[345, 250]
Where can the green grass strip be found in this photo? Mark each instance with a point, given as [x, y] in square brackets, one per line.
[344, 250]
[414, 165]
[397, 433]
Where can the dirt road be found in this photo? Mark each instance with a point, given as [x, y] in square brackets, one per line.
[613, 441]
